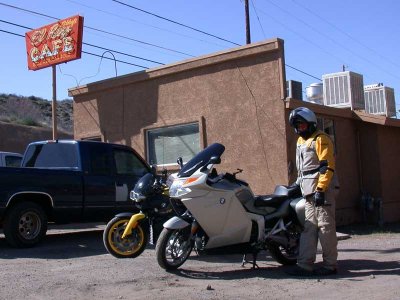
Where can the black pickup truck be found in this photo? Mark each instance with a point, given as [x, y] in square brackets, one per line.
[66, 181]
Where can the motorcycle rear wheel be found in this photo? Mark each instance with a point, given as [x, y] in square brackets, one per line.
[282, 256]
[129, 247]
[173, 248]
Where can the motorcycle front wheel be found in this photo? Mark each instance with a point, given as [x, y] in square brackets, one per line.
[132, 245]
[173, 247]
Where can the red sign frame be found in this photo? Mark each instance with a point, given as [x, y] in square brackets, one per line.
[54, 43]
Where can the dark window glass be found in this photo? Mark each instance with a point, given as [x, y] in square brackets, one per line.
[127, 163]
[99, 160]
[13, 161]
[52, 155]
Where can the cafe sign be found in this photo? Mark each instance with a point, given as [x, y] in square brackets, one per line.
[55, 43]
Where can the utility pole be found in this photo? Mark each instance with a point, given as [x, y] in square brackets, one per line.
[246, 7]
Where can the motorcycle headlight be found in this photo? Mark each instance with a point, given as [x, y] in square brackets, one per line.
[177, 190]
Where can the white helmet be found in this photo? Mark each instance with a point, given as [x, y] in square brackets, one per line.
[303, 114]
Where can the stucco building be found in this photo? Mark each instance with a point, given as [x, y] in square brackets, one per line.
[238, 97]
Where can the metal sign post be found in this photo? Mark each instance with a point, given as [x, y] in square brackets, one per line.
[53, 44]
[54, 104]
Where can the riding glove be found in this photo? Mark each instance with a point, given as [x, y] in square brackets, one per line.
[319, 198]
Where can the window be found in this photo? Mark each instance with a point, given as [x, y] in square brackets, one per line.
[52, 155]
[127, 163]
[166, 144]
[13, 161]
[327, 126]
[100, 162]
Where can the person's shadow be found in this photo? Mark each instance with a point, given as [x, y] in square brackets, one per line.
[348, 268]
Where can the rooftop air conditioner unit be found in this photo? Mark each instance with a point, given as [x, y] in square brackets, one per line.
[344, 90]
[294, 89]
[379, 100]
[314, 93]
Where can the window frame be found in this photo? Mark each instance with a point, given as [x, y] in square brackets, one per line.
[174, 165]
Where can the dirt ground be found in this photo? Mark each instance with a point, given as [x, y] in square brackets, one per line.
[76, 266]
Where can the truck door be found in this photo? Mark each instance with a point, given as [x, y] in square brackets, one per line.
[129, 168]
[99, 181]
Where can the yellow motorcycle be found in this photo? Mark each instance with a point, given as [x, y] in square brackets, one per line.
[127, 234]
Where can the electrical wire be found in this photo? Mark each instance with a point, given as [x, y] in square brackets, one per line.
[333, 40]
[345, 33]
[258, 18]
[86, 52]
[91, 45]
[95, 29]
[174, 22]
[146, 24]
[117, 35]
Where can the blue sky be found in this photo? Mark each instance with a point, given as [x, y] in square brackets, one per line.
[320, 37]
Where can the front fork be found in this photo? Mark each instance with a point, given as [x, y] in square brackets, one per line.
[133, 221]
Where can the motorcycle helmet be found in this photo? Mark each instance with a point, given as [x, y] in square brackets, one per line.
[302, 115]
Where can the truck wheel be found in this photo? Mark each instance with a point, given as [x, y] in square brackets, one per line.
[25, 225]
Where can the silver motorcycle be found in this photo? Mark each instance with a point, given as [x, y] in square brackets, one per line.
[219, 214]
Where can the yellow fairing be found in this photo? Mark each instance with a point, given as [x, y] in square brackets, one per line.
[132, 224]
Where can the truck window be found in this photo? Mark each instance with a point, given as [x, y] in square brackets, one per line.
[13, 161]
[127, 163]
[52, 155]
[99, 160]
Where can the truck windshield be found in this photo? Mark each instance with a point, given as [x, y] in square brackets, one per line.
[52, 155]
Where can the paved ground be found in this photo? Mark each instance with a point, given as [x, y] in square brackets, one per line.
[76, 266]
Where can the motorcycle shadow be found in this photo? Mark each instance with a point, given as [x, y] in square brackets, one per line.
[230, 267]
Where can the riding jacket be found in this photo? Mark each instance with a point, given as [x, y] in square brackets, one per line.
[315, 163]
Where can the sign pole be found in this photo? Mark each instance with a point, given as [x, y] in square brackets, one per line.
[54, 104]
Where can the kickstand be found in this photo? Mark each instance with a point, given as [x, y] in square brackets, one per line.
[245, 261]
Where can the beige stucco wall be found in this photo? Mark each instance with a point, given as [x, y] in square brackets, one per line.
[236, 95]
[238, 98]
[367, 147]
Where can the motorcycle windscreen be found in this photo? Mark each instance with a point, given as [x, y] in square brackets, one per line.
[222, 217]
[201, 159]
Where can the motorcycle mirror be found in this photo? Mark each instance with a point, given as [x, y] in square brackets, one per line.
[180, 162]
[215, 160]
[153, 169]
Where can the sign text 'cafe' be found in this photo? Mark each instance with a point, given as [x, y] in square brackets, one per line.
[55, 43]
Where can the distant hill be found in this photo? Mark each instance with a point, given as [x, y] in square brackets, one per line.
[35, 111]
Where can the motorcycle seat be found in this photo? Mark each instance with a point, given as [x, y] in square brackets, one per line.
[269, 200]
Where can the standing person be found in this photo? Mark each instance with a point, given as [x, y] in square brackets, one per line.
[315, 163]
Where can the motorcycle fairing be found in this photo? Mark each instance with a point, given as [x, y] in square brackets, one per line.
[221, 216]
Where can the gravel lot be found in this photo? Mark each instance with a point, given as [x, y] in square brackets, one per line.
[74, 265]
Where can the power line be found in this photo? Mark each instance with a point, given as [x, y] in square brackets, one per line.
[91, 45]
[13, 33]
[333, 40]
[146, 24]
[259, 22]
[36, 13]
[174, 22]
[95, 29]
[89, 53]
[345, 33]
[305, 73]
